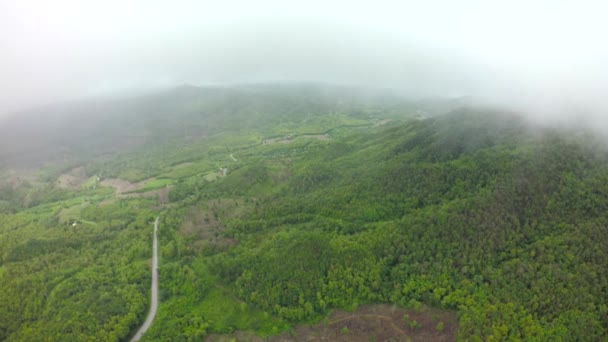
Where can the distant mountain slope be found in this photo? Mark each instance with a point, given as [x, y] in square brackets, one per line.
[89, 129]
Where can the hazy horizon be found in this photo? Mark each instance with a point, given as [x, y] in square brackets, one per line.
[546, 57]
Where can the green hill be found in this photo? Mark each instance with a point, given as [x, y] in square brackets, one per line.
[286, 202]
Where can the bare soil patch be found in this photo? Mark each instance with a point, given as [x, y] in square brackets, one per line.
[72, 179]
[106, 202]
[124, 186]
[120, 185]
[124, 189]
[378, 322]
[238, 336]
[322, 137]
[72, 213]
[381, 122]
[12, 179]
[289, 138]
[280, 140]
[162, 194]
[182, 165]
[205, 224]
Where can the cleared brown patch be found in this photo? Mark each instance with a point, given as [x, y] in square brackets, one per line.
[124, 188]
[381, 323]
[378, 322]
[162, 194]
[280, 140]
[382, 122]
[120, 185]
[72, 213]
[72, 179]
[106, 202]
[289, 138]
[239, 336]
[205, 224]
[322, 137]
[182, 165]
[14, 179]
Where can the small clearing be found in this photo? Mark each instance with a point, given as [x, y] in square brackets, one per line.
[381, 122]
[121, 185]
[182, 165]
[280, 140]
[204, 224]
[322, 137]
[289, 138]
[16, 178]
[72, 213]
[210, 177]
[72, 179]
[125, 187]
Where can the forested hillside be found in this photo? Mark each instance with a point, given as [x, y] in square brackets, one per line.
[82, 131]
[278, 212]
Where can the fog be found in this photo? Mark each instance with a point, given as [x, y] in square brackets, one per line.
[547, 57]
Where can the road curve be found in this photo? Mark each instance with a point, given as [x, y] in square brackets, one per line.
[154, 289]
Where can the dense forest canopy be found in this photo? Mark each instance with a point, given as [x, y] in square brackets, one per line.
[279, 204]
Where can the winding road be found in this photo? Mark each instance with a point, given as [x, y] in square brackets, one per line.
[154, 289]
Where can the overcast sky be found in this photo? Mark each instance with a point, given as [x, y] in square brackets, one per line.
[539, 53]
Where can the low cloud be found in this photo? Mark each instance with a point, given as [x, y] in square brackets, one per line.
[546, 58]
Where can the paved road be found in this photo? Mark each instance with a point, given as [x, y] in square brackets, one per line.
[154, 290]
